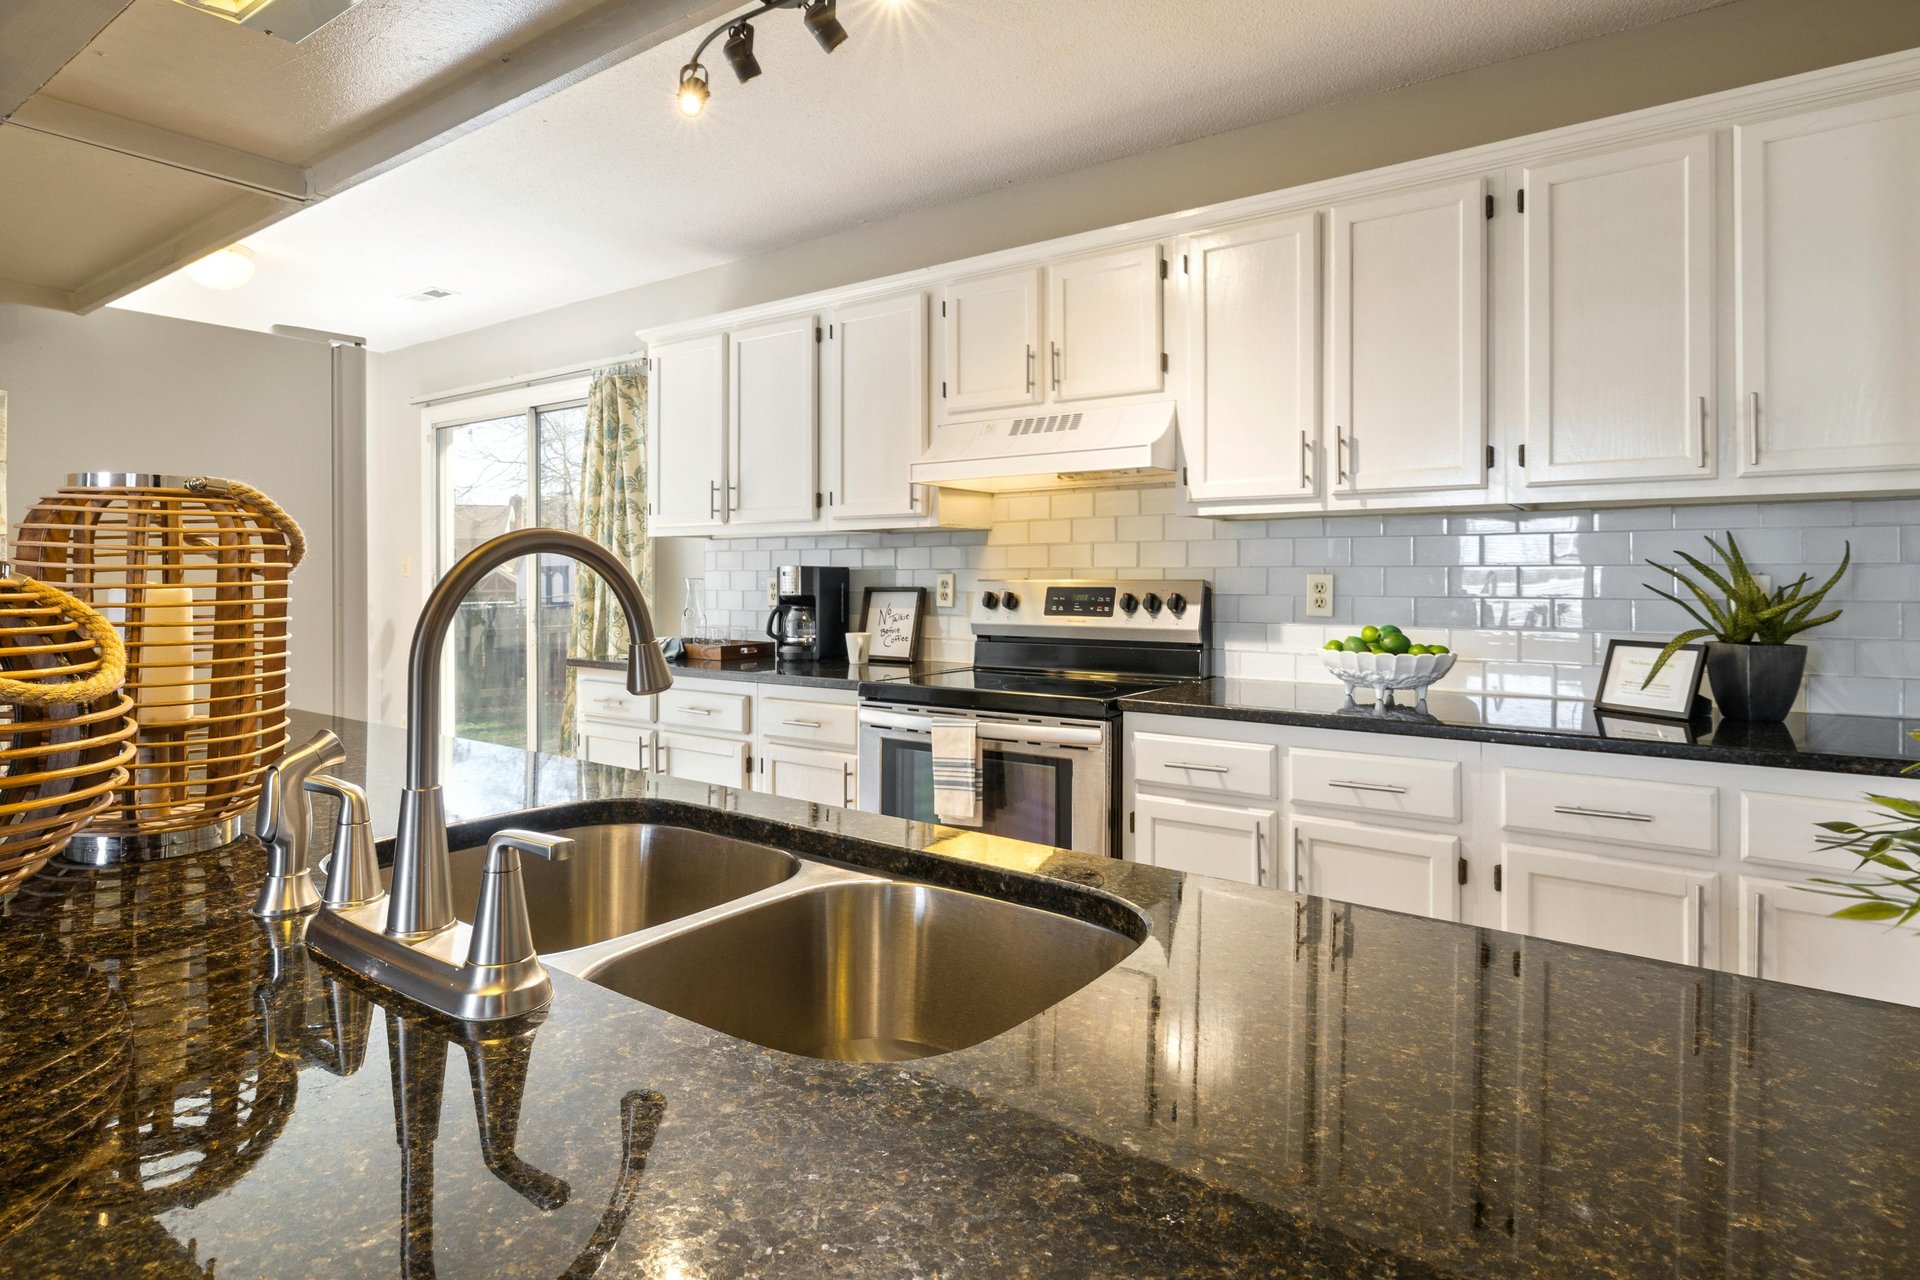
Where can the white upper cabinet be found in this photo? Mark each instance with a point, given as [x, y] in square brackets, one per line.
[775, 409]
[1251, 418]
[1828, 240]
[991, 342]
[1407, 371]
[1618, 327]
[1104, 318]
[875, 398]
[687, 434]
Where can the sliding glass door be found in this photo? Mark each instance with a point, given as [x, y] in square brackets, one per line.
[506, 660]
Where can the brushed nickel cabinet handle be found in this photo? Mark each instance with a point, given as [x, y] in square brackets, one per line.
[713, 499]
[1306, 462]
[1696, 918]
[1260, 856]
[1618, 815]
[1753, 428]
[1299, 865]
[698, 711]
[1341, 453]
[1385, 787]
[1704, 460]
[1056, 366]
[1197, 768]
[846, 784]
[801, 724]
[1030, 360]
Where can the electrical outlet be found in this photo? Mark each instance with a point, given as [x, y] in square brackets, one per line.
[1319, 595]
[943, 591]
[773, 591]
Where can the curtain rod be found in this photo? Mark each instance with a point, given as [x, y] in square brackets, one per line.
[519, 381]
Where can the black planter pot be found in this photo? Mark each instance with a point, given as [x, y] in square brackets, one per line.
[1755, 681]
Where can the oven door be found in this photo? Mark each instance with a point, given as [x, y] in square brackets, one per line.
[1046, 781]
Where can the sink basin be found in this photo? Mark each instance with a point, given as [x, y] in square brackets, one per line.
[868, 972]
[625, 878]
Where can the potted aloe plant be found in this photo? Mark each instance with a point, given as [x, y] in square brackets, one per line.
[1892, 846]
[1755, 673]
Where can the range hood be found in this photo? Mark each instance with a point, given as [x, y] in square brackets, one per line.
[1114, 445]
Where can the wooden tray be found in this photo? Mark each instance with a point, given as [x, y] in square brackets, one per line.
[728, 650]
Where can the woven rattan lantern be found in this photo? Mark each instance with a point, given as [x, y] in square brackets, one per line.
[194, 573]
[65, 728]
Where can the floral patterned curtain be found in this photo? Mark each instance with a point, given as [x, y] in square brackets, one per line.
[613, 512]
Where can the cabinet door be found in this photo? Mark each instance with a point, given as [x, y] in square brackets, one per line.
[1251, 421]
[1640, 908]
[1828, 236]
[822, 777]
[1788, 934]
[700, 759]
[687, 434]
[1407, 373]
[775, 421]
[990, 337]
[1203, 839]
[1619, 315]
[616, 744]
[1412, 871]
[1104, 313]
[876, 406]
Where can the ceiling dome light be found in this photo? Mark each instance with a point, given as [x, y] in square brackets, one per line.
[825, 27]
[227, 268]
[739, 51]
[693, 89]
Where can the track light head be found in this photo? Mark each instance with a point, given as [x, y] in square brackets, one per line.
[739, 51]
[693, 89]
[818, 15]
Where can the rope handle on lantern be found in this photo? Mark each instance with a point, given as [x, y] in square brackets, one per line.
[273, 511]
[113, 654]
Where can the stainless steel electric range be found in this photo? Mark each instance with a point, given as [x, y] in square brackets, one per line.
[1051, 660]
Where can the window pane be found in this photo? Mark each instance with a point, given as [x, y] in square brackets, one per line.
[562, 434]
[483, 491]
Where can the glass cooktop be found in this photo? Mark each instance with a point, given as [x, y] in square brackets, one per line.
[1091, 695]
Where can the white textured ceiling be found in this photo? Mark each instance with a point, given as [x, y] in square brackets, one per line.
[604, 186]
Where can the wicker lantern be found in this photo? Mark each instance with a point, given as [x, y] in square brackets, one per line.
[194, 572]
[65, 728]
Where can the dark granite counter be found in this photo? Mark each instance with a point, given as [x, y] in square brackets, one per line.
[1269, 1085]
[1828, 743]
[819, 675]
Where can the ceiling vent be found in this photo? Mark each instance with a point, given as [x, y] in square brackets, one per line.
[427, 295]
[289, 20]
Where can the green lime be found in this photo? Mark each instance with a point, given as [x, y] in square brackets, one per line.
[1417, 649]
[1394, 642]
[1374, 647]
[1369, 634]
[1438, 648]
[1333, 644]
[1390, 630]
[1354, 644]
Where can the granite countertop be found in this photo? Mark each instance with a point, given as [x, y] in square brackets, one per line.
[1873, 745]
[1268, 1085]
[819, 675]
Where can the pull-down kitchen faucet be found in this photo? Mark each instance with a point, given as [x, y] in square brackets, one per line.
[408, 939]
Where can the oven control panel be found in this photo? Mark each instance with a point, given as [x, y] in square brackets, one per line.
[1076, 601]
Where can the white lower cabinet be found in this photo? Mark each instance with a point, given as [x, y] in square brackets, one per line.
[1788, 934]
[1204, 839]
[1645, 909]
[1417, 872]
[620, 745]
[801, 773]
[697, 758]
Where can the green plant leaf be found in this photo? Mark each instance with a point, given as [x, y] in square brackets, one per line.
[1869, 911]
[1840, 828]
[1716, 617]
[1674, 646]
[1691, 611]
[1743, 581]
[1708, 572]
[1905, 808]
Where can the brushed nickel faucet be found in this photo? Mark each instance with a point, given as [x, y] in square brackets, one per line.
[408, 939]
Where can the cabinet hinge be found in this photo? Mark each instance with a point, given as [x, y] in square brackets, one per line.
[1489, 206]
[829, 333]
[1163, 362]
[943, 308]
[1183, 475]
[1463, 871]
[1163, 268]
[1489, 457]
[818, 335]
[943, 390]
[1496, 878]
[1520, 455]
[1129, 822]
[749, 762]
[1186, 265]
[817, 500]
[1516, 962]
[1520, 200]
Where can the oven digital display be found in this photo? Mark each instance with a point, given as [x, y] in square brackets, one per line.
[1080, 602]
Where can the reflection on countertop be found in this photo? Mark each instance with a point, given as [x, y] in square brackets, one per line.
[819, 675]
[1872, 745]
[1269, 1085]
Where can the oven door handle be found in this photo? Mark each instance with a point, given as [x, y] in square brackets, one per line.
[990, 730]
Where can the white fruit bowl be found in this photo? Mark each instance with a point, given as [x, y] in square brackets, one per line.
[1386, 672]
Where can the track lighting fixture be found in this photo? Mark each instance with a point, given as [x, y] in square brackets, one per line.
[818, 15]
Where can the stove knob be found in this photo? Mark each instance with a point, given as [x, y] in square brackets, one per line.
[1010, 600]
[991, 599]
[1176, 604]
[1128, 603]
[1153, 605]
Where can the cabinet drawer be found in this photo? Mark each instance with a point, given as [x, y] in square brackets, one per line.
[809, 722]
[692, 707]
[1207, 764]
[1657, 815]
[1780, 829]
[1381, 786]
[604, 696]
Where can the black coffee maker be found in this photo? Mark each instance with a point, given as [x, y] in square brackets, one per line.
[810, 622]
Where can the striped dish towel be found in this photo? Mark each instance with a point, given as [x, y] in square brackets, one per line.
[956, 772]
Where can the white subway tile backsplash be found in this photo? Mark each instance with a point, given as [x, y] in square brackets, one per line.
[1528, 601]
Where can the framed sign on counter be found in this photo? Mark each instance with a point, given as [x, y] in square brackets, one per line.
[1673, 694]
[891, 616]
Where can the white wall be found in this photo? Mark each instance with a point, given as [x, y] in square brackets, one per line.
[122, 391]
[1721, 48]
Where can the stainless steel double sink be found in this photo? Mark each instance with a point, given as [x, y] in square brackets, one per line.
[796, 955]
